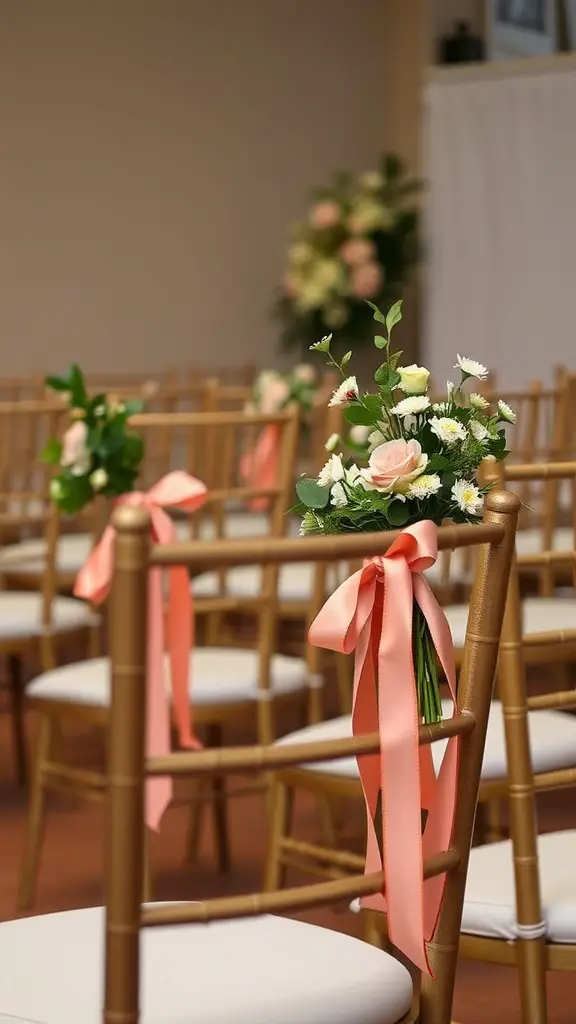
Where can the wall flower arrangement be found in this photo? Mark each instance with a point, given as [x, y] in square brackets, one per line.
[359, 241]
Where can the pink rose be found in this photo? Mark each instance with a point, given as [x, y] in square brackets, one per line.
[325, 215]
[305, 373]
[393, 465]
[357, 251]
[367, 280]
[75, 453]
[273, 395]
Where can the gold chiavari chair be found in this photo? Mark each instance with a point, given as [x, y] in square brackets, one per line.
[34, 623]
[519, 906]
[249, 966]
[226, 683]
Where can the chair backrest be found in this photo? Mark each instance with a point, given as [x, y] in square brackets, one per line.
[548, 560]
[128, 766]
[515, 649]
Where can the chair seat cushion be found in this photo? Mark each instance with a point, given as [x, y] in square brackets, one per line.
[21, 615]
[490, 901]
[552, 740]
[540, 614]
[218, 675]
[28, 556]
[529, 542]
[268, 970]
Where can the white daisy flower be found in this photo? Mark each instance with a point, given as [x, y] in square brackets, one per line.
[424, 486]
[506, 413]
[332, 472]
[471, 368]
[412, 406]
[332, 442]
[347, 392]
[467, 497]
[360, 434]
[478, 401]
[478, 430]
[338, 493]
[450, 388]
[441, 407]
[449, 431]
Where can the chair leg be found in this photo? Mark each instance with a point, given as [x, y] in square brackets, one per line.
[219, 805]
[532, 978]
[278, 822]
[197, 811]
[16, 684]
[494, 829]
[35, 824]
[147, 884]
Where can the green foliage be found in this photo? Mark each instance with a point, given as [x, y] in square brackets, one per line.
[311, 494]
[107, 456]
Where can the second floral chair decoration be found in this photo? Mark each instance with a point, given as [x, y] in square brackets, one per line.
[100, 456]
[416, 467]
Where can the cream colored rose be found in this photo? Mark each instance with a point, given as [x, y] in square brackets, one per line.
[393, 465]
[413, 379]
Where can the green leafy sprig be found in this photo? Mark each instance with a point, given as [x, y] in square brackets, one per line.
[107, 455]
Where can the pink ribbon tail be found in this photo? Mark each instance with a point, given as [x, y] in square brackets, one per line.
[371, 613]
[176, 490]
[259, 466]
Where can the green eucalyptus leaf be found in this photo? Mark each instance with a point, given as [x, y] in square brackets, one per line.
[57, 383]
[394, 315]
[378, 315]
[437, 464]
[387, 377]
[52, 452]
[312, 494]
[398, 513]
[394, 359]
[380, 342]
[359, 416]
[345, 360]
[448, 480]
[76, 386]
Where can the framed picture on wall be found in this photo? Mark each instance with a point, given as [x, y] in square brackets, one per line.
[570, 8]
[521, 28]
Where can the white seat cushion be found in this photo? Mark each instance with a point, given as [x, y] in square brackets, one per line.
[529, 542]
[72, 550]
[490, 901]
[218, 675]
[268, 970]
[21, 615]
[237, 525]
[540, 614]
[552, 740]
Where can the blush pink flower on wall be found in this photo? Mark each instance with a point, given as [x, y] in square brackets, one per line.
[367, 280]
[325, 214]
[357, 251]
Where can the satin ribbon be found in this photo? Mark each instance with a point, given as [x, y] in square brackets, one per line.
[259, 466]
[371, 614]
[175, 490]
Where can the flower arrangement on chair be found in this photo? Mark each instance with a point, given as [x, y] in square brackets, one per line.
[97, 455]
[420, 469]
[359, 242]
[274, 391]
[422, 463]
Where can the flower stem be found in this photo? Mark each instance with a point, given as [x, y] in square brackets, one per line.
[425, 670]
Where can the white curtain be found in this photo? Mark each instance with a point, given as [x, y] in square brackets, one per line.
[500, 160]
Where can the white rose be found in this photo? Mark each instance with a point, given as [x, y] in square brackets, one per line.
[413, 379]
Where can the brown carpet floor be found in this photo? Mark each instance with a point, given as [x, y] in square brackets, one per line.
[71, 874]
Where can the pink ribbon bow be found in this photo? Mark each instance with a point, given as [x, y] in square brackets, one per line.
[259, 466]
[371, 614]
[176, 490]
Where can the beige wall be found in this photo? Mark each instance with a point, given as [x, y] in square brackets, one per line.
[154, 153]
